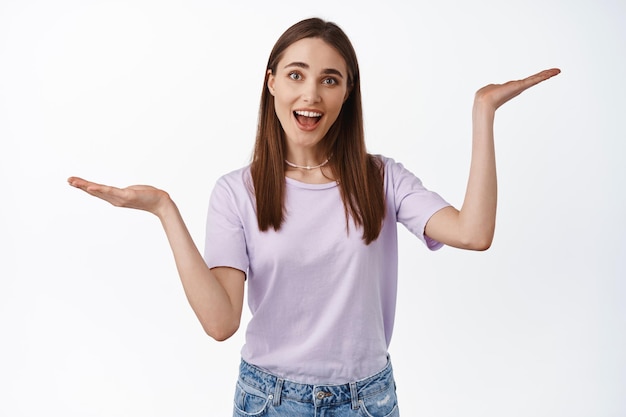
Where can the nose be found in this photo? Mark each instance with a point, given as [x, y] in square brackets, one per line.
[310, 93]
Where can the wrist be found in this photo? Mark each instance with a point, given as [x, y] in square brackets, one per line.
[483, 110]
[165, 207]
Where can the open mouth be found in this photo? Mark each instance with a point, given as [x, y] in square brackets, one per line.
[307, 119]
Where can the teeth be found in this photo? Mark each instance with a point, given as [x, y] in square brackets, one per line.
[308, 113]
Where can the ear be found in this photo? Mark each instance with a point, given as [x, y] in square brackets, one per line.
[347, 94]
[270, 81]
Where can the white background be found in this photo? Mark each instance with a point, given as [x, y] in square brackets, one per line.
[93, 319]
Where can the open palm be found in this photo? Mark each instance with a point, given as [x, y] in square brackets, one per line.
[495, 95]
[141, 197]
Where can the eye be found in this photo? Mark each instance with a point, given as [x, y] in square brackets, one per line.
[294, 75]
[330, 81]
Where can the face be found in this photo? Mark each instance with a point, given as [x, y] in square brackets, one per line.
[309, 87]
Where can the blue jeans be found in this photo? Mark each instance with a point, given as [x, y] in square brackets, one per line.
[261, 394]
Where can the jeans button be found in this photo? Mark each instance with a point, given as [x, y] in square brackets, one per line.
[322, 394]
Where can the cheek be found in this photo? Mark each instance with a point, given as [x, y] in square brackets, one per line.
[283, 110]
[283, 98]
[336, 103]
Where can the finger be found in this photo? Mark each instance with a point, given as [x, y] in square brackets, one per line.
[105, 192]
[517, 87]
[75, 181]
[84, 184]
[540, 76]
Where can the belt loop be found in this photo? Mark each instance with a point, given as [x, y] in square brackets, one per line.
[278, 391]
[354, 396]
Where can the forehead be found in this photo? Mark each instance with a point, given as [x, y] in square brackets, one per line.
[314, 52]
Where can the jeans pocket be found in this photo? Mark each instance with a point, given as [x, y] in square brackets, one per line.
[250, 401]
[381, 404]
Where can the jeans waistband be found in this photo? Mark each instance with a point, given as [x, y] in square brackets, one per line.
[278, 388]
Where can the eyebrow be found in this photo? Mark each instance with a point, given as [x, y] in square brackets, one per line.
[328, 71]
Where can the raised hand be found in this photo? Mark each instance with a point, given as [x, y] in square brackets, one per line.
[216, 296]
[495, 95]
[472, 227]
[140, 197]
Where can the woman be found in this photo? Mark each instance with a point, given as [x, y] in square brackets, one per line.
[311, 225]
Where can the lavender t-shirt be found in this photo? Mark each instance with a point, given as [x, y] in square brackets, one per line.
[322, 301]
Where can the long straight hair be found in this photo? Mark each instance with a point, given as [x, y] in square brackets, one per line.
[359, 174]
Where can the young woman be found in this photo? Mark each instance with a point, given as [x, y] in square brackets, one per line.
[311, 225]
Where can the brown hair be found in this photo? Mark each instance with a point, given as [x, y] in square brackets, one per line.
[360, 175]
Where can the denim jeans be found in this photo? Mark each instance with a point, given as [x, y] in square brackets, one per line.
[261, 394]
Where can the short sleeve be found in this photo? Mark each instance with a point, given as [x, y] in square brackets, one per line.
[413, 203]
[225, 243]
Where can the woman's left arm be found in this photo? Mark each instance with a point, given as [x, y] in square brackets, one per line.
[473, 226]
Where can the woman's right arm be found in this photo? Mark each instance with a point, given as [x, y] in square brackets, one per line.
[215, 295]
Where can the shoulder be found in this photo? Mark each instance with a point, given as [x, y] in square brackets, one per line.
[391, 167]
[236, 179]
[236, 176]
[386, 161]
[237, 183]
